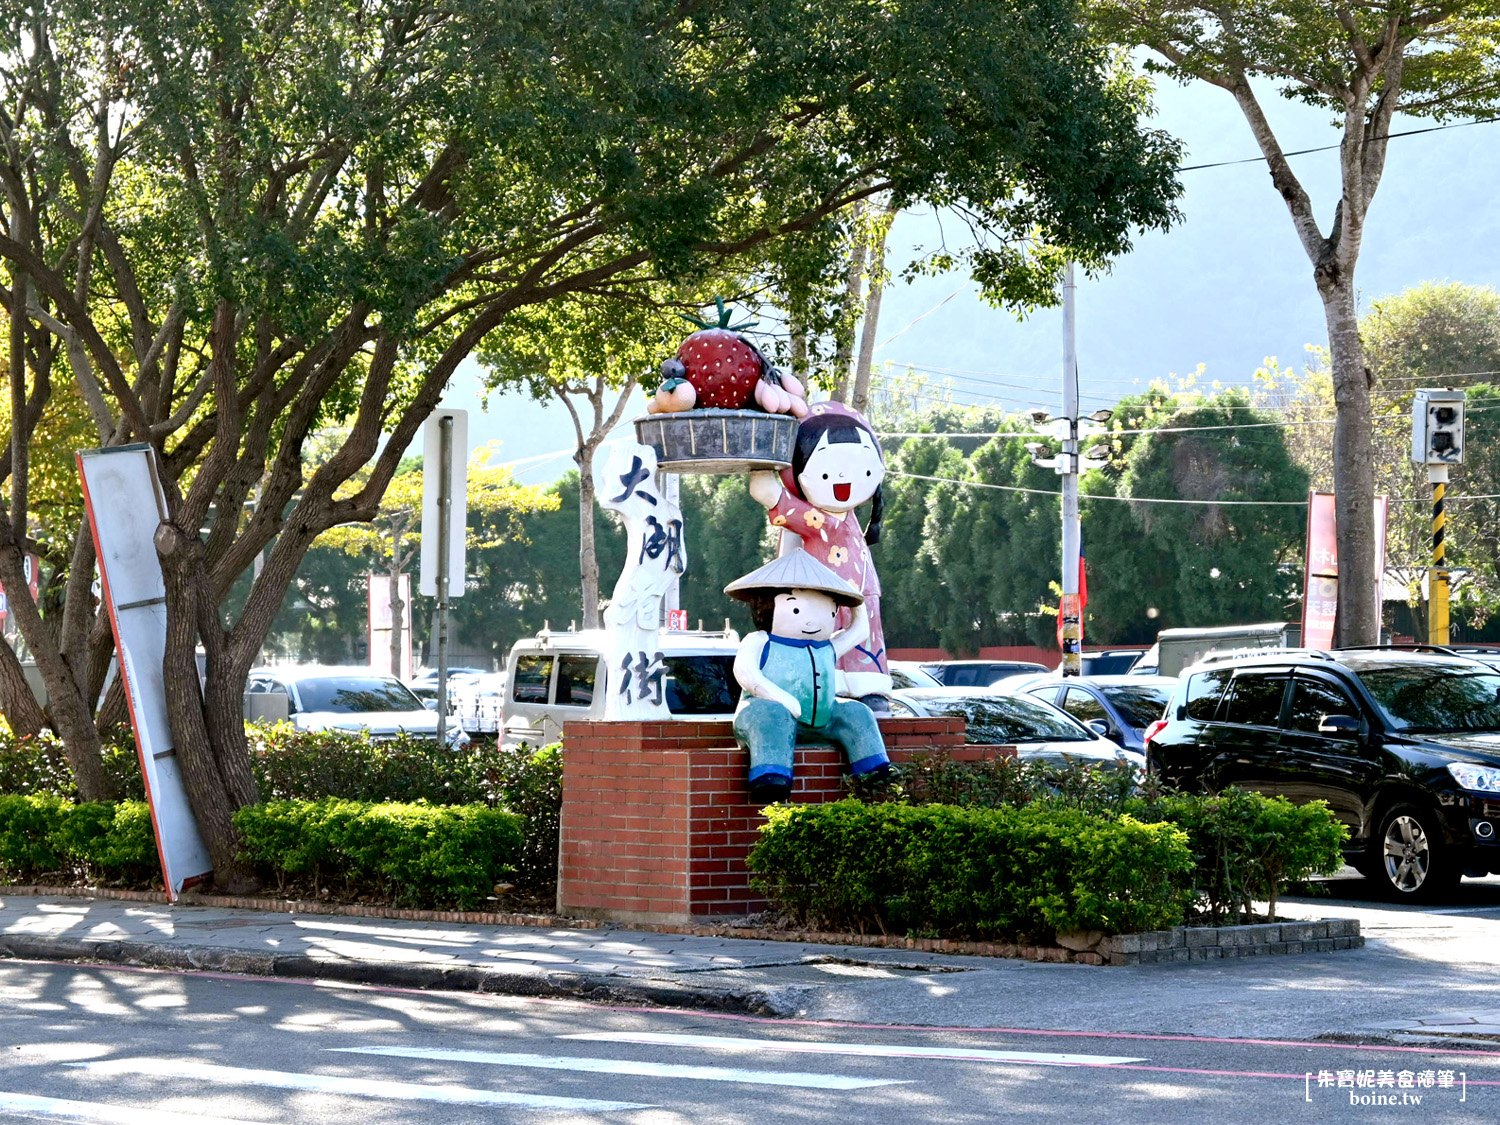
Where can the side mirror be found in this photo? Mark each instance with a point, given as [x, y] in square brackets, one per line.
[1099, 727]
[1338, 725]
[430, 704]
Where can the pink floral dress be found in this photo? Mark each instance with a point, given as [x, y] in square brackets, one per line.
[838, 542]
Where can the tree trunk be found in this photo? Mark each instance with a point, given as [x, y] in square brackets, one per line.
[853, 284]
[588, 557]
[1353, 469]
[71, 717]
[398, 607]
[22, 711]
[860, 398]
[212, 803]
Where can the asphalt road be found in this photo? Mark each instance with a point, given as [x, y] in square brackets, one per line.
[141, 1047]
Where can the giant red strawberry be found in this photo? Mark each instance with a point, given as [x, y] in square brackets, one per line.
[721, 364]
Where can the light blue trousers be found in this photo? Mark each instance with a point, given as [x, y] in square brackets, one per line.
[770, 733]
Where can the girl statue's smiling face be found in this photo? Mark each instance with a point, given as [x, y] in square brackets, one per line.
[804, 615]
[842, 474]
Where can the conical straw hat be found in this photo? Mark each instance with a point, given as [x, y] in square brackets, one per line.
[795, 570]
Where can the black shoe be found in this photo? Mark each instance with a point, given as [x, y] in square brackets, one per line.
[770, 792]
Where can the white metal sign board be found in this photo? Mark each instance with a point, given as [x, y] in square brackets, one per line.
[432, 460]
[125, 504]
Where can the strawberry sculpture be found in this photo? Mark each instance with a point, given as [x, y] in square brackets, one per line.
[718, 368]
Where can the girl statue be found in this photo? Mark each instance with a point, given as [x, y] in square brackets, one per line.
[836, 466]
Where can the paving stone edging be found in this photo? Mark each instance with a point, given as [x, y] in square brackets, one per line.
[1182, 943]
[1212, 943]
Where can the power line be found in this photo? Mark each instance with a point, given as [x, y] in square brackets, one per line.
[1088, 496]
[1329, 148]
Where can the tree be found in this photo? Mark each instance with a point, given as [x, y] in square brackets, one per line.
[494, 508]
[1230, 560]
[1365, 63]
[236, 224]
[1435, 334]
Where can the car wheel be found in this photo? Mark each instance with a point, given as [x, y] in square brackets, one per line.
[1409, 858]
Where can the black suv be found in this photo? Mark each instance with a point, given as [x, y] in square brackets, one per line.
[1404, 747]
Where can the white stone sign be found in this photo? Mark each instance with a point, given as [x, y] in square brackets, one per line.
[655, 556]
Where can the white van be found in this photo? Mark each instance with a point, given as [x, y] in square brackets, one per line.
[557, 676]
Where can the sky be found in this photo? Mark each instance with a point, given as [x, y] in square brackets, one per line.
[1227, 287]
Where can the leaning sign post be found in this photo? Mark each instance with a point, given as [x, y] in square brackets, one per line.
[123, 497]
[445, 474]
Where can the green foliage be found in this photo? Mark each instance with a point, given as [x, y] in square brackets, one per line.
[309, 765]
[1247, 847]
[1226, 560]
[414, 854]
[45, 835]
[966, 872]
[38, 765]
[936, 779]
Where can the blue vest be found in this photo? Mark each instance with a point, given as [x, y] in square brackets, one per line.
[805, 670]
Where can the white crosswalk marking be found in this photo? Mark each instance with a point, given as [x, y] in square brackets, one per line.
[34, 1106]
[338, 1084]
[629, 1066]
[878, 1050]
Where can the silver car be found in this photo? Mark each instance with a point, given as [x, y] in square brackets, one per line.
[350, 699]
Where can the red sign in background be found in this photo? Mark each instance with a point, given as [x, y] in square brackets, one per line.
[1320, 597]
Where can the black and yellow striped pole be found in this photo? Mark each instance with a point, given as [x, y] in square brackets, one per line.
[1437, 600]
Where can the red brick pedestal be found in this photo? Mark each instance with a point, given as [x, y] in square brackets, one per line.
[656, 824]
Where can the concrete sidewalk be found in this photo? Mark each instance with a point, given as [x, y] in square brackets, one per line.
[1417, 966]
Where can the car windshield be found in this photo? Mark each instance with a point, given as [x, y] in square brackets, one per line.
[1435, 697]
[346, 694]
[1009, 719]
[1141, 705]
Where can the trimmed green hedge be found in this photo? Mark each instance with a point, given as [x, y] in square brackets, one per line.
[941, 870]
[309, 765]
[1248, 847]
[410, 854]
[44, 835]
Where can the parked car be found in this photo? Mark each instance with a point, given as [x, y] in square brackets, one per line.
[1036, 729]
[424, 684]
[332, 698]
[478, 702]
[1404, 747]
[1175, 649]
[977, 673]
[910, 674]
[1111, 661]
[1126, 704]
[555, 676]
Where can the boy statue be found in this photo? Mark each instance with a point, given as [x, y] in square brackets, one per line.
[788, 671]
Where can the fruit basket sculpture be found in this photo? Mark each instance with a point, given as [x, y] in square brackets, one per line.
[722, 408]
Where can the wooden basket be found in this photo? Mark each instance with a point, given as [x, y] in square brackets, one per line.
[718, 442]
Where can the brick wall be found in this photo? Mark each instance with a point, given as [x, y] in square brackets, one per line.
[656, 824]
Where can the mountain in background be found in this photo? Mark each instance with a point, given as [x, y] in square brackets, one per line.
[1227, 287]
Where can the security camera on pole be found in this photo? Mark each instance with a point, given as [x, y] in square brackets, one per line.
[1070, 429]
[1437, 441]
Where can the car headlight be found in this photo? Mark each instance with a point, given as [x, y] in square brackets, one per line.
[1481, 779]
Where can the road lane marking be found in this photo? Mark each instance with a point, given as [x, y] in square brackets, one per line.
[630, 1066]
[34, 1106]
[876, 1050]
[338, 1084]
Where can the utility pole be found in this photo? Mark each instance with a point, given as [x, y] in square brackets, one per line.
[445, 526]
[1070, 429]
[1072, 531]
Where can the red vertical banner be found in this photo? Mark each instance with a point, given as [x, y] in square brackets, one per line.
[1320, 597]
